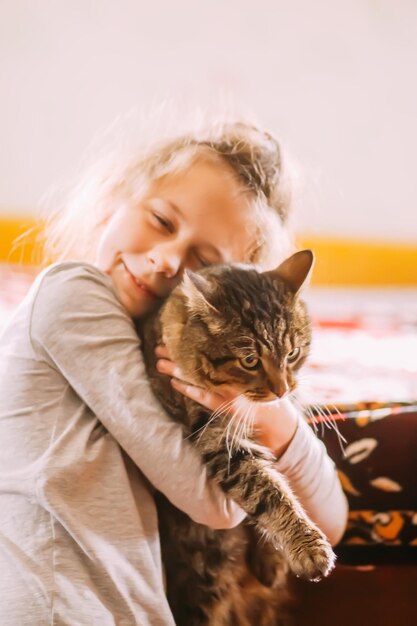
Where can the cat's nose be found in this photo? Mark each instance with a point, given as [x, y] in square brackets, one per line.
[282, 390]
[280, 386]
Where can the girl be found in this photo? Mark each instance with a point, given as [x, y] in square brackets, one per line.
[84, 442]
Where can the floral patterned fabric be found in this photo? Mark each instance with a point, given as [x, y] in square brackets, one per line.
[377, 469]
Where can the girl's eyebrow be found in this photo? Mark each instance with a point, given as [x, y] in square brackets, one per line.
[173, 206]
[166, 202]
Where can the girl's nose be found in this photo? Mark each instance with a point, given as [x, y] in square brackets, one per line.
[166, 259]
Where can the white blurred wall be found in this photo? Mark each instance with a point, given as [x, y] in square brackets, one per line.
[335, 80]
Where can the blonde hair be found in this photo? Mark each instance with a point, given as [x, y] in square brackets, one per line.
[123, 173]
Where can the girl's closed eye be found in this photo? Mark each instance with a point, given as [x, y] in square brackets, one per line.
[161, 220]
[202, 261]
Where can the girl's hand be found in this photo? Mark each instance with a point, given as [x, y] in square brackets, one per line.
[274, 423]
[209, 399]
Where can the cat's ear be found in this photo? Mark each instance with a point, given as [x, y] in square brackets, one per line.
[198, 291]
[295, 270]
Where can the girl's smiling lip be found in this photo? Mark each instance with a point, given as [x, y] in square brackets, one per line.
[140, 284]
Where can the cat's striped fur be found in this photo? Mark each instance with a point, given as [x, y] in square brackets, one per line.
[234, 326]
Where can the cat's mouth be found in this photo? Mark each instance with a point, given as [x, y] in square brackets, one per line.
[261, 397]
[267, 395]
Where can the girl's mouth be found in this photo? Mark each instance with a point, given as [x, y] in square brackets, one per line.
[142, 288]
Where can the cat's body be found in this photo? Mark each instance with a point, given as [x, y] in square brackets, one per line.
[235, 327]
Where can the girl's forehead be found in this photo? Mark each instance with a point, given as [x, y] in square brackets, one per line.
[207, 198]
[203, 188]
[201, 179]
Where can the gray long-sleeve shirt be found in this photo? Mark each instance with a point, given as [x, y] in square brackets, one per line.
[83, 444]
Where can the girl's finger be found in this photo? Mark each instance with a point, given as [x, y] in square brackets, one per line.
[162, 351]
[165, 366]
[210, 400]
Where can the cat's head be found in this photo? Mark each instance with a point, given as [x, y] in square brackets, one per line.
[233, 327]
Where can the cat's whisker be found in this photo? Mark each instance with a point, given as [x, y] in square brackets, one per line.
[250, 421]
[231, 428]
[223, 408]
[248, 417]
[218, 412]
[341, 439]
[333, 424]
[249, 426]
[241, 432]
[243, 429]
[309, 410]
[313, 418]
[320, 418]
[329, 421]
[323, 418]
[228, 443]
[326, 415]
[336, 410]
[201, 429]
[237, 433]
[305, 410]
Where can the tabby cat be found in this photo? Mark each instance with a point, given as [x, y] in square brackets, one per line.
[234, 326]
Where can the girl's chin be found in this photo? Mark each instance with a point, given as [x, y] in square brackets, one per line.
[136, 308]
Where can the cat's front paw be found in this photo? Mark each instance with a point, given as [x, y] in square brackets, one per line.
[310, 554]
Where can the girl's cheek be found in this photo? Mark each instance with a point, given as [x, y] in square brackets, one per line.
[136, 235]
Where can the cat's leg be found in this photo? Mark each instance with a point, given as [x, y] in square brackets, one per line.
[268, 565]
[247, 475]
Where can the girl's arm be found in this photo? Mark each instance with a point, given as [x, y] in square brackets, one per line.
[311, 473]
[82, 331]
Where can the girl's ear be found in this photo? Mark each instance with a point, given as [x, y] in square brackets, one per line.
[197, 291]
[295, 270]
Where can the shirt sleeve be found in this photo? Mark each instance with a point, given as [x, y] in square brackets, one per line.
[313, 478]
[82, 330]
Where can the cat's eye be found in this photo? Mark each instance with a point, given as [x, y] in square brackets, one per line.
[293, 356]
[250, 362]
